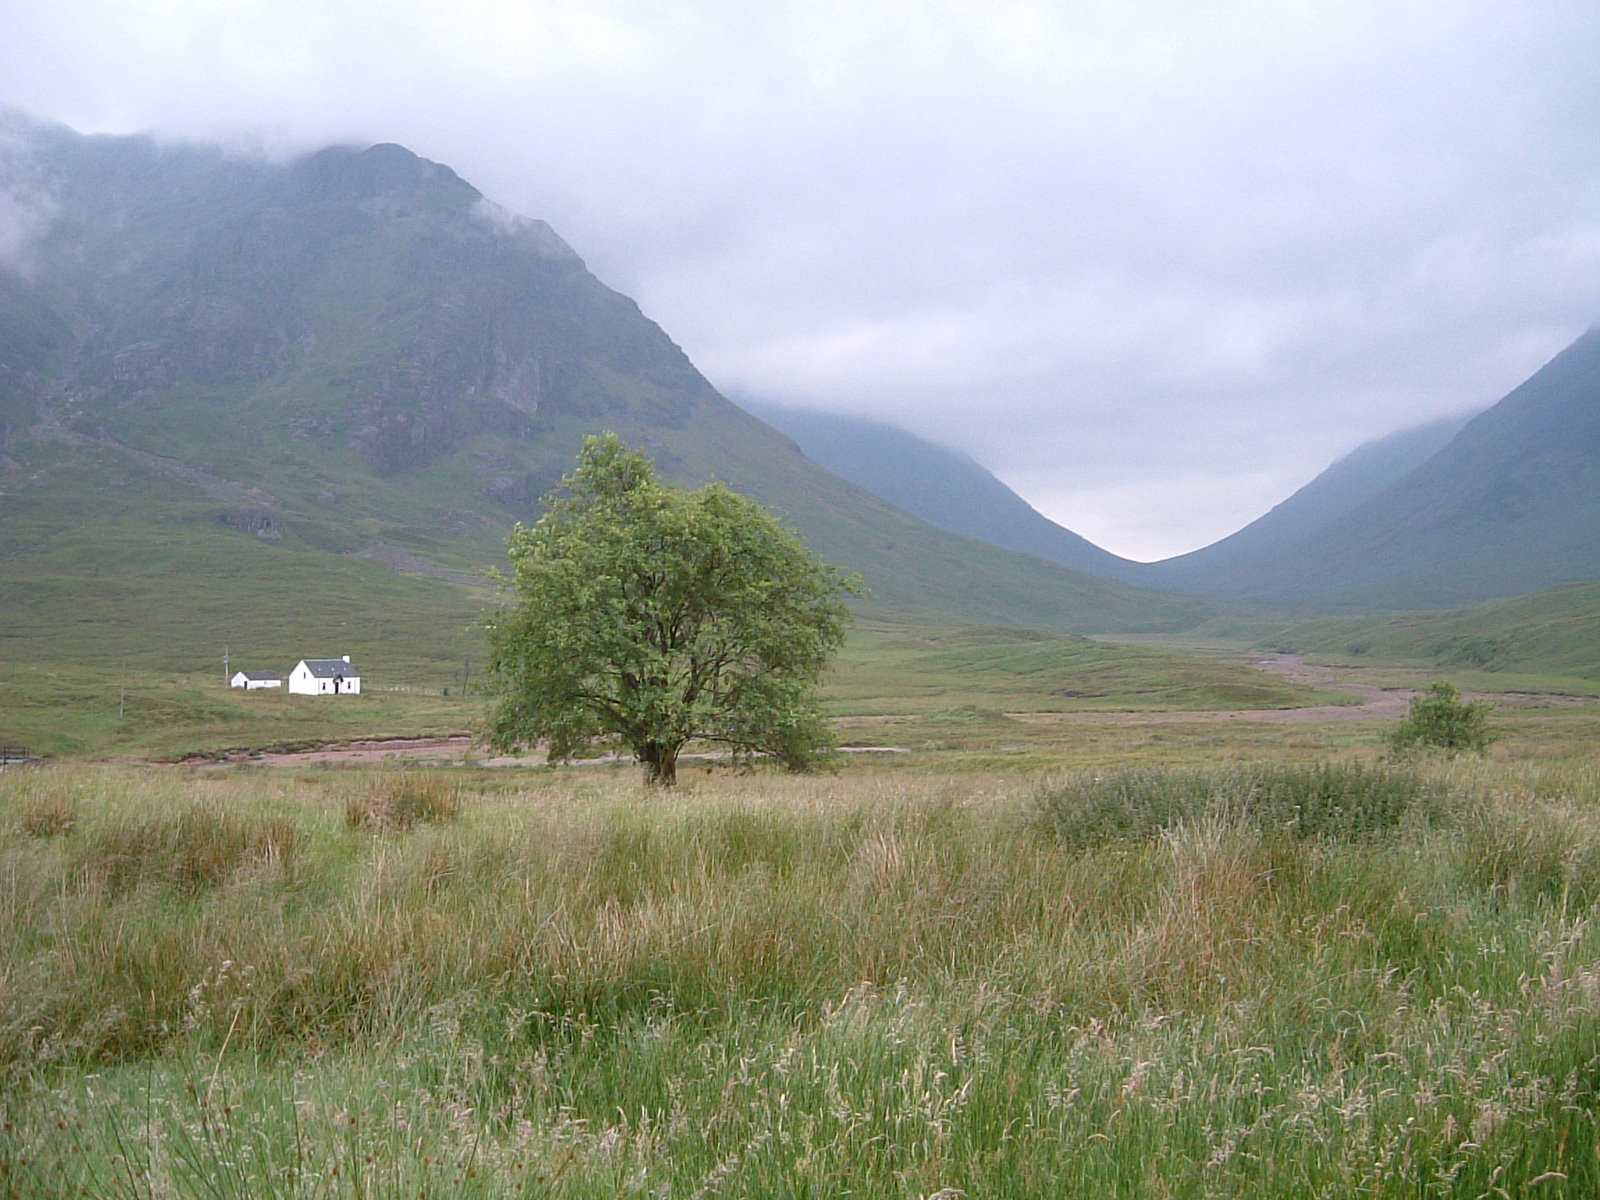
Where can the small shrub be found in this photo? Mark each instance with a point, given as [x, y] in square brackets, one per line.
[1440, 719]
[401, 800]
[48, 814]
[1329, 800]
[966, 714]
[802, 746]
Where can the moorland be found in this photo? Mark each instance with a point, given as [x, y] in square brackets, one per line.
[1135, 941]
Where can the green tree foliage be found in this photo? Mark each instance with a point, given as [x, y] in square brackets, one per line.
[1440, 718]
[646, 616]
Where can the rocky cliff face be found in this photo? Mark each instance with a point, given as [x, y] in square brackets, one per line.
[373, 274]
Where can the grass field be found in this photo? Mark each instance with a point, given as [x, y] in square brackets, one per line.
[906, 668]
[81, 712]
[1269, 979]
[1104, 925]
[940, 676]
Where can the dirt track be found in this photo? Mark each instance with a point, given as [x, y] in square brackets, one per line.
[378, 750]
[1376, 704]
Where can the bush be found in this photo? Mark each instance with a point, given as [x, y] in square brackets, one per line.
[1440, 719]
[402, 799]
[48, 813]
[1329, 800]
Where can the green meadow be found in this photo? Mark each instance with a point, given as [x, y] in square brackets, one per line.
[936, 675]
[77, 712]
[1068, 918]
[892, 668]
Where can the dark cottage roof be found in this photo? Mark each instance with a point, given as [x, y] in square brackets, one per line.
[259, 674]
[329, 668]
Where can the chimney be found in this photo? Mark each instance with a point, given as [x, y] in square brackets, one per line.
[347, 658]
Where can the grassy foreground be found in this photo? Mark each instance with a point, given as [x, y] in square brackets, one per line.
[1295, 980]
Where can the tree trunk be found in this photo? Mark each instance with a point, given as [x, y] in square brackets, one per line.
[660, 764]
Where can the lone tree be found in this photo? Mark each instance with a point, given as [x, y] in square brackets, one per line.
[1440, 718]
[646, 616]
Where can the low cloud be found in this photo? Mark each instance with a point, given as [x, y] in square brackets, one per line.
[1154, 264]
[26, 209]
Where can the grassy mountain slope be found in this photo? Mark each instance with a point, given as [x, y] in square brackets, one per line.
[1550, 633]
[236, 396]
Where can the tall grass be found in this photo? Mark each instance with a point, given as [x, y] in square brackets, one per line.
[1327, 800]
[894, 986]
[402, 799]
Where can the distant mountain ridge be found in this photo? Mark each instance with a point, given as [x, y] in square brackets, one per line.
[218, 373]
[1501, 503]
[1350, 482]
[938, 484]
[1508, 506]
[952, 490]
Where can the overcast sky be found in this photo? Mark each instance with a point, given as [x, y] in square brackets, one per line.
[1155, 264]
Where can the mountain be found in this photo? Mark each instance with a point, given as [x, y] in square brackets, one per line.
[1358, 477]
[289, 404]
[1469, 508]
[1508, 506]
[942, 486]
[951, 490]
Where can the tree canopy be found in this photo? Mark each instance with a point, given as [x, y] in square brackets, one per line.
[644, 615]
[1440, 719]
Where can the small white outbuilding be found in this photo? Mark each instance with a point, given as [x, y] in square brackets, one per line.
[250, 680]
[325, 677]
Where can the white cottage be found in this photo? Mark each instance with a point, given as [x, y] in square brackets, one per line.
[250, 680]
[325, 677]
